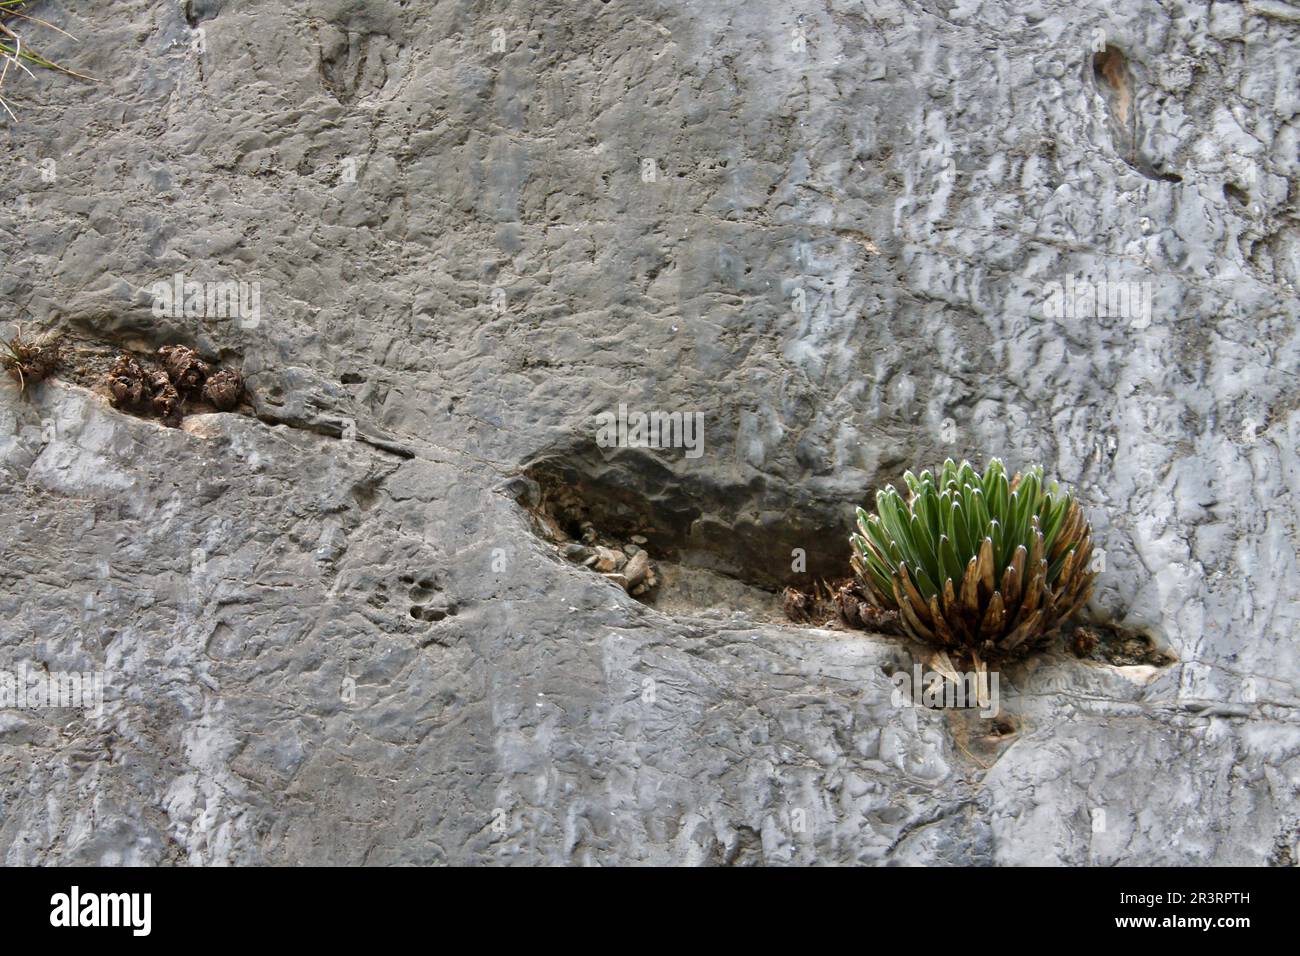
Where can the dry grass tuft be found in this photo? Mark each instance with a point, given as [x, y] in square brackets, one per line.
[29, 358]
[16, 53]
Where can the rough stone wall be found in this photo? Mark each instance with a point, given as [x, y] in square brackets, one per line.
[833, 228]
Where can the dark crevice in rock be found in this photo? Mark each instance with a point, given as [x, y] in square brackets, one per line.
[718, 538]
[343, 430]
[92, 362]
[1114, 79]
[196, 11]
[86, 359]
[1111, 73]
[1236, 194]
[1117, 646]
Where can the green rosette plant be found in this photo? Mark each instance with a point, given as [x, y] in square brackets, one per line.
[981, 565]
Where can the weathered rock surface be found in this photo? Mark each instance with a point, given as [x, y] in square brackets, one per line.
[328, 632]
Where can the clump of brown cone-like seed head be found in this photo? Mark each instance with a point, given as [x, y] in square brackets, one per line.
[185, 369]
[164, 391]
[223, 389]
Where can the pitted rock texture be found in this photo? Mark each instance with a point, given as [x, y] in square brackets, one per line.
[327, 631]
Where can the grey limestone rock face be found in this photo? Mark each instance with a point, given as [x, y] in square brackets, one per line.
[855, 237]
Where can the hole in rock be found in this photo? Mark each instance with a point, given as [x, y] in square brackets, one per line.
[1110, 70]
[91, 361]
[1117, 646]
[1113, 75]
[715, 537]
[1236, 194]
[432, 614]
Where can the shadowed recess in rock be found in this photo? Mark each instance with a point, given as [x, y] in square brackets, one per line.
[752, 528]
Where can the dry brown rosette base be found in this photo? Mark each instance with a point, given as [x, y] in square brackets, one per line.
[29, 359]
[180, 381]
